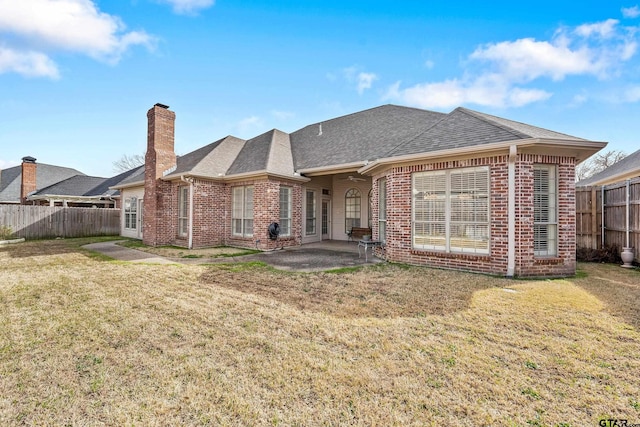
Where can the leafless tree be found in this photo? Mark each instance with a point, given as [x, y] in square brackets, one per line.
[598, 163]
[127, 162]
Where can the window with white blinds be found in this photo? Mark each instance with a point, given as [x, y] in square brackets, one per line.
[242, 212]
[310, 220]
[382, 210]
[451, 210]
[545, 210]
[285, 211]
[183, 209]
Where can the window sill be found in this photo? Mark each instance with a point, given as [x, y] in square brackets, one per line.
[548, 261]
[453, 255]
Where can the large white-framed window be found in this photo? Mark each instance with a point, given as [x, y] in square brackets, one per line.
[545, 210]
[285, 211]
[450, 210]
[131, 213]
[382, 210]
[183, 210]
[310, 220]
[242, 212]
[352, 209]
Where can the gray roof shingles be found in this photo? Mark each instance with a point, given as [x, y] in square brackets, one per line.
[366, 135]
[376, 133]
[46, 175]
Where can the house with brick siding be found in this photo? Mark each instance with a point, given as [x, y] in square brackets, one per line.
[461, 190]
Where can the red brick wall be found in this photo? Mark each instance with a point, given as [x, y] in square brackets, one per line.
[399, 233]
[160, 157]
[28, 180]
[266, 209]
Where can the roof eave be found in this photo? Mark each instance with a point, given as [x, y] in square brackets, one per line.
[333, 169]
[580, 149]
[129, 185]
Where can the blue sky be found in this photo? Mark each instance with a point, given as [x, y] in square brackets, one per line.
[77, 76]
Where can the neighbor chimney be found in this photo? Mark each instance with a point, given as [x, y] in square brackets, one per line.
[159, 160]
[28, 182]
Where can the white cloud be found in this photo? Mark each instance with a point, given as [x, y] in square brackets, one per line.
[497, 73]
[29, 64]
[429, 64]
[282, 115]
[631, 12]
[361, 79]
[365, 80]
[604, 29]
[632, 94]
[47, 26]
[188, 7]
[249, 125]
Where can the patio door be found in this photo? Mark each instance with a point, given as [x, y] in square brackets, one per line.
[326, 219]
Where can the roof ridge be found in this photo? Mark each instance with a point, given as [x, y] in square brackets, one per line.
[408, 140]
[360, 112]
[483, 116]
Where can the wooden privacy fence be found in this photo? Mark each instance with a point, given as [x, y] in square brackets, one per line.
[41, 222]
[592, 233]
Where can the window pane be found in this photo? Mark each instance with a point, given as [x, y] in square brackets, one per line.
[545, 210]
[352, 208]
[285, 211]
[310, 223]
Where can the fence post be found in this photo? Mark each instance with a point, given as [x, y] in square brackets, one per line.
[594, 218]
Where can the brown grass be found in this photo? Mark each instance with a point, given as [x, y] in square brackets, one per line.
[85, 341]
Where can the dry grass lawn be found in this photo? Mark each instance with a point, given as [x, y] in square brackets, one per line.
[87, 341]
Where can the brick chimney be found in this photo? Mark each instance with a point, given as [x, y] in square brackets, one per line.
[28, 182]
[160, 158]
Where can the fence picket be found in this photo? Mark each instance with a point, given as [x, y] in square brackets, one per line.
[42, 222]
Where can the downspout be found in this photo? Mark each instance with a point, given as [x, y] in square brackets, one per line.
[190, 226]
[628, 212]
[511, 213]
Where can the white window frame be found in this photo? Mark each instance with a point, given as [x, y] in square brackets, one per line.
[285, 211]
[242, 211]
[545, 210]
[382, 210]
[352, 209]
[450, 210]
[183, 210]
[310, 227]
[131, 213]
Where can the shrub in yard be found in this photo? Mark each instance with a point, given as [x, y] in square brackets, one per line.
[606, 254]
[5, 232]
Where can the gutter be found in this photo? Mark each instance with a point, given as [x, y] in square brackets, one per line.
[475, 150]
[189, 180]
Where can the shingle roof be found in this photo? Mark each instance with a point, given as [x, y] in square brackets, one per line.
[383, 132]
[365, 135]
[46, 175]
[627, 168]
[468, 128]
[87, 186]
[211, 160]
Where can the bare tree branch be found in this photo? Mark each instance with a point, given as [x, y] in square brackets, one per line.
[598, 163]
[127, 162]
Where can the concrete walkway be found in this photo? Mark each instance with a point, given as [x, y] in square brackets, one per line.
[115, 251]
[312, 257]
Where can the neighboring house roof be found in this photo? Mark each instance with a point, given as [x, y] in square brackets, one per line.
[85, 187]
[46, 175]
[627, 168]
